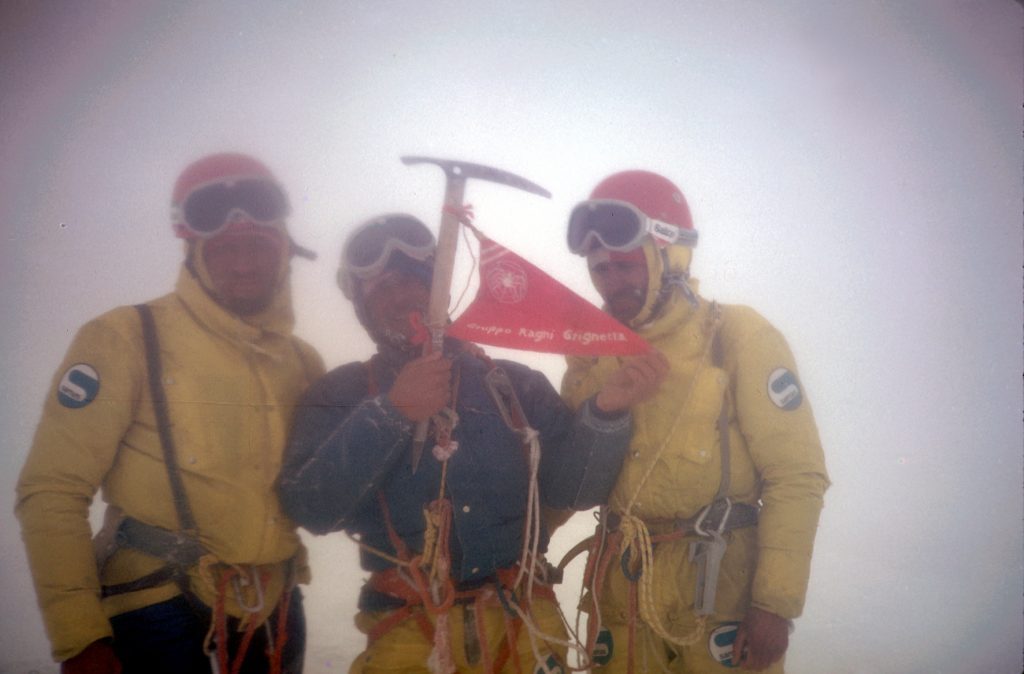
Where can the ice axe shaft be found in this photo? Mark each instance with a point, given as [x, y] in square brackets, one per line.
[456, 174]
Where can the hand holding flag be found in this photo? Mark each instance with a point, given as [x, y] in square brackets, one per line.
[638, 379]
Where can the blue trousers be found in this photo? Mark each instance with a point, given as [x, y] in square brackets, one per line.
[167, 638]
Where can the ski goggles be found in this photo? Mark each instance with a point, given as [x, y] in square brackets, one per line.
[210, 208]
[369, 248]
[620, 226]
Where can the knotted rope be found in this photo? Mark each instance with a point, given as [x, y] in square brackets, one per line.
[636, 539]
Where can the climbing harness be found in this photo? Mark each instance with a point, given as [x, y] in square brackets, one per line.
[420, 586]
[181, 550]
[240, 579]
[632, 540]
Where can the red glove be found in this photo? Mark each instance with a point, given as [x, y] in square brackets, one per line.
[762, 638]
[97, 658]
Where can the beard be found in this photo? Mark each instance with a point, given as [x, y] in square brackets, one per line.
[395, 339]
[406, 336]
[625, 304]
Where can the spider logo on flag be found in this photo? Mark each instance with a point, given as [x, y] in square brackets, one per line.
[507, 283]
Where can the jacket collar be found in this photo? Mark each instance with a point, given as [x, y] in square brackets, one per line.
[681, 319]
[277, 319]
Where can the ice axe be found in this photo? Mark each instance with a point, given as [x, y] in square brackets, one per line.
[456, 174]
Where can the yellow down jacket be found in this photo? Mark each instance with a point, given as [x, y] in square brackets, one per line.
[674, 467]
[231, 387]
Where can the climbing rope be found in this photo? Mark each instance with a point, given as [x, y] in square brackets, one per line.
[435, 588]
[636, 545]
[215, 643]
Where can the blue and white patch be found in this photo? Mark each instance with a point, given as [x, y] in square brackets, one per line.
[784, 389]
[79, 386]
[720, 643]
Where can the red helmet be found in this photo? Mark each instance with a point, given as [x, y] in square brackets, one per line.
[229, 179]
[216, 168]
[653, 194]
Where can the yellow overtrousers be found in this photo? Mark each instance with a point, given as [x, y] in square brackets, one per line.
[406, 649]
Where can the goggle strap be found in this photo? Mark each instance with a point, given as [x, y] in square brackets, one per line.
[301, 251]
[665, 233]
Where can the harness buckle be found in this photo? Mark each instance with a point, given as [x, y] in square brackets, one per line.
[551, 574]
[713, 516]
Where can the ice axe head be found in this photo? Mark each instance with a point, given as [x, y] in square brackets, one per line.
[460, 171]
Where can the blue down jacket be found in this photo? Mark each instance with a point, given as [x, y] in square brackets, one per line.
[350, 446]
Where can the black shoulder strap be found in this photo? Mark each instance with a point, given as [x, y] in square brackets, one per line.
[185, 519]
[717, 354]
[723, 438]
[718, 359]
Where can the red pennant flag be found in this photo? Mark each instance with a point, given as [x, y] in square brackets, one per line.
[518, 306]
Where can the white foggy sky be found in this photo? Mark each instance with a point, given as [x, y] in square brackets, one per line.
[855, 174]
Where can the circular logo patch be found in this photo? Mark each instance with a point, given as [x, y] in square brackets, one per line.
[79, 386]
[720, 643]
[784, 390]
[507, 283]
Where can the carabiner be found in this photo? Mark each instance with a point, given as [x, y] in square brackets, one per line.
[237, 585]
[698, 525]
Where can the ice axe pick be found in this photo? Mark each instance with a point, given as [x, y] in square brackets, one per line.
[456, 174]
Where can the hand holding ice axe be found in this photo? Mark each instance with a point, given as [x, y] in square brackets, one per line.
[456, 174]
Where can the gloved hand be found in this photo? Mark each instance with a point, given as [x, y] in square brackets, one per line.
[762, 638]
[97, 658]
